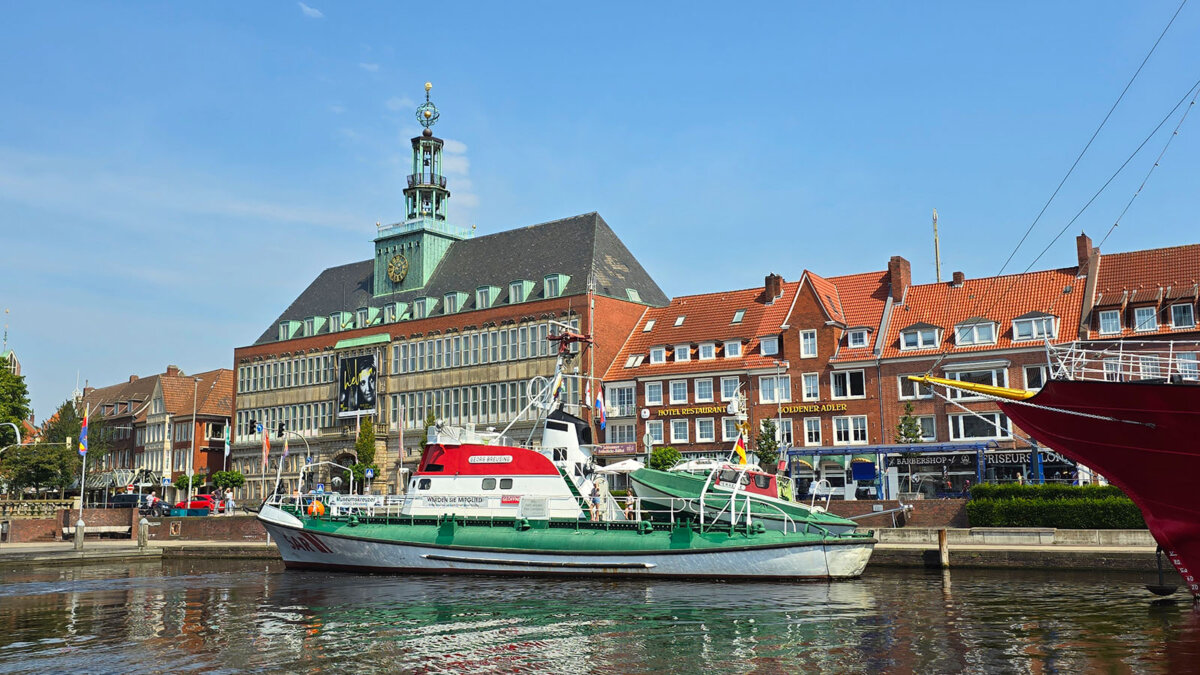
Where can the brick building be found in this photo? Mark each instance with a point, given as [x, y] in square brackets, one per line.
[439, 322]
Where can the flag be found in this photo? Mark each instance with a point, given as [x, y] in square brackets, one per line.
[226, 440]
[285, 451]
[740, 449]
[600, 407]
[83, 433]
[266, 444]
[556, 386]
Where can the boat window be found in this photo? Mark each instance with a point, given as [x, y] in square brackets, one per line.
[745, 479]
[434, 468]
[728, 476]
[560, 454]
[489, 483]
[762, 481]
[424, 484]
[505, 483]
[557, 426]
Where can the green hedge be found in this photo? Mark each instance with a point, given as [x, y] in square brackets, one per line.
[1103, 513]
[984, 491]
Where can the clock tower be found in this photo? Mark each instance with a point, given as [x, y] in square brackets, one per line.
[408, 252]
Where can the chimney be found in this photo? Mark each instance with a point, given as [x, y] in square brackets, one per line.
[772, 287]
[958, 280]
[87, 391]
[1083, 248]
[900, 276]
[133, 378]
[173, 371]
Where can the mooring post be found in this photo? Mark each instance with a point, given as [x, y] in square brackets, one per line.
[79, 532]
[944, 548]
[143, 533]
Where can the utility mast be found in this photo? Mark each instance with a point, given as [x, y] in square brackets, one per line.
[937, 253]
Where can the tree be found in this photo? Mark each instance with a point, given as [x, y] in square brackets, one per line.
[364, 445]
[766, 446]
[181, 482]
[228, 479]
[40, 466]
[664, 457]
[14, 405]
[908, 430]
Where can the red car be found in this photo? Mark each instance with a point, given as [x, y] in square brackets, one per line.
[209, 502]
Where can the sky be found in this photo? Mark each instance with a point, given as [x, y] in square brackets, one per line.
[173, 175]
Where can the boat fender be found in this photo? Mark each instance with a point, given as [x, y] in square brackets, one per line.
[521, 524]
[353, 521]
[645, 527]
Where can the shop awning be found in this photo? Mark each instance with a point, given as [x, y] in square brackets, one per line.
[840, 460]
[801, 462]
[863, 458]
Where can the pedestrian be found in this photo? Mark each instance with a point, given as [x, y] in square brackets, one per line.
[629, 509]
[229, 505]
[595, 502]
[151, 500]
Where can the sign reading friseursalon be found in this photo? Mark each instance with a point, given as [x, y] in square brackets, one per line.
[356, 392]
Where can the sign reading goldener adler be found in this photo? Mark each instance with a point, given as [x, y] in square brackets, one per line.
[356, 395]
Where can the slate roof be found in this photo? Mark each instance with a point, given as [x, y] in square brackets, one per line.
[138, 391]
[1167, 275]
[707, 318]
[579, 246]
[1000, 299]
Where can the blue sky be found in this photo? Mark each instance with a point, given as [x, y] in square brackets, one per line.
[172, 175]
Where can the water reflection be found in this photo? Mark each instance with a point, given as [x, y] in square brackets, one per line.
[215, 617]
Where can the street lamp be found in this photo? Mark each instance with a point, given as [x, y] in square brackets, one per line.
[16, 430]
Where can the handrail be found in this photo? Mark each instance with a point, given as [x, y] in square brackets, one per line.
[814, 487]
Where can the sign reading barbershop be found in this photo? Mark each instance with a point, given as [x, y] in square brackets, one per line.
[931, 460]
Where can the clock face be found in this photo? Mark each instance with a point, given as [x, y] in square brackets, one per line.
[397, 268]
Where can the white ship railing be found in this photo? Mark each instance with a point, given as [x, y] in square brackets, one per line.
[1126, 360]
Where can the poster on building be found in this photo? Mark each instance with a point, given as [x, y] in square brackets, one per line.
[356, 391]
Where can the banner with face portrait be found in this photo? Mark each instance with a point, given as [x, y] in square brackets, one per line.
[356, 392]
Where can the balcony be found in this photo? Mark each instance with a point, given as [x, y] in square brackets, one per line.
[625, 410]
[426, 178]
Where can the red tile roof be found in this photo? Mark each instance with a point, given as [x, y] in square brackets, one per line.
[707, 318]
[215, 394]
[863, 297]
[1000, 299]
[1159, 275]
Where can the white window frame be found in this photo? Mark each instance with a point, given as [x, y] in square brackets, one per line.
[813, 379]
[658, 355]
[712, 432]
[677, 425]
[672, 398]
[812, 425]
[1191, 312]
[1048, 326]
[955, 425]
[933, 424]
[679, 319]
[1044, 369]
[696, 385]
[725, 380]
[927, 338]
[918, 387]
[683, 352]
[516, 292]
[655, 429]
[773, 384]
[652, 399]
[833, 378]
[855, 425]
[1115, 315]
[1187, 364]
[808, 344]
[483, 298]
[997, 381]
[856, 339]
[1140, 325]
[725, 435]
[769, 345]
[733, 349]
[968, 334]
[707, 351]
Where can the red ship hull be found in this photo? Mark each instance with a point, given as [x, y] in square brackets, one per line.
[1152, 454]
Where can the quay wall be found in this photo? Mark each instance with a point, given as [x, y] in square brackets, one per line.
[925, 512]
[208, 528]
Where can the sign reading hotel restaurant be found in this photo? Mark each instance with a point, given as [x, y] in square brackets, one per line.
[356, 392]
[709, 410]
[721, 410]
[489, 459]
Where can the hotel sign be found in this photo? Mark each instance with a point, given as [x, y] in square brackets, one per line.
[814, 408]
[702, 410]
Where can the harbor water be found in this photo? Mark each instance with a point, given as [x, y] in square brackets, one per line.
[211, 617]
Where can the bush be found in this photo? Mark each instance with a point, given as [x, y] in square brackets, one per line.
[990, 491]
[663, 458]
[1075, 513]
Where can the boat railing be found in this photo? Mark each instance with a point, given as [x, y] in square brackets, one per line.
[1172, 361]
[746, 514]
[815, 489]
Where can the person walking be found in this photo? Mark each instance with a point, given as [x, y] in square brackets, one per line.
[595, 502]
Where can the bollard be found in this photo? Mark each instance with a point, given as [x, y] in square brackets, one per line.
[79, 534]
[143, 533]
[944, 548]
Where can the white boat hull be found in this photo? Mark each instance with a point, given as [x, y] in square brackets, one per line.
[302, 548]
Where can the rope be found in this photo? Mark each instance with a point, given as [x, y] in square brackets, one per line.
[1078, 413]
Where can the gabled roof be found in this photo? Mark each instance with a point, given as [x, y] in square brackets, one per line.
[1160, 275]
[138, 391]
[581, 247]
[861, 299]
[999, 299]
[708, 318]
[215, 391]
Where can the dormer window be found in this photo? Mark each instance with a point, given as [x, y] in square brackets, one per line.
[283, 330]
[920, 336]
[649, 326]
[975, 333]
[856, 338]
[516, 292]
[708, 350]
[679, 320]
[770, 345]
[658, 355]
[733, 349]
[483, 297]
[738, 316]
[335, 322]
[360, 318]
[683, 352]
[1145, 319]
[421, 307]
[1182, 316]
[310, 326]
[554, 284]
[1035, 327]
[389, 313]
[450, 301]
[1110, 322]
[633, 295]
